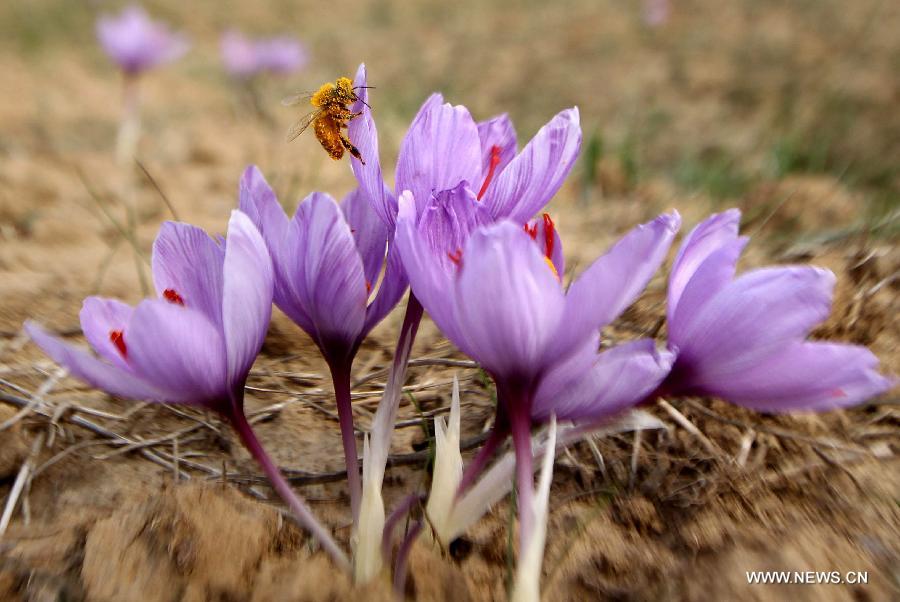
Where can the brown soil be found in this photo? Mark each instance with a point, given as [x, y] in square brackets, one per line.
[100, 522]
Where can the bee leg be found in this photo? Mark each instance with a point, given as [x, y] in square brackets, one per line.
[351, 149]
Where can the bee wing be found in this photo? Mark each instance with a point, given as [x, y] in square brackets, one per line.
[295, 99]
[300, 127]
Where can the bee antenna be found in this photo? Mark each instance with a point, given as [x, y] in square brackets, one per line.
[364, 88]
[365, 103]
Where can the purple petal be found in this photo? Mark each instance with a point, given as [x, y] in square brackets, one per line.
[180, 349]
[710, 235]
[497, 132]
[533, 177]
[326, 272]
[616, 279]
[189, 263]
[509, 303]
[247, 296]
[97, 373]
[758, 312]
[620, 377]
[433, 242]
[258, 201]
[441, 149]
[713, 275]
[99, 318]
[390, 290]
[802, 376]
[369, 232]
[447, 219]
[428, 281]
[364, 135]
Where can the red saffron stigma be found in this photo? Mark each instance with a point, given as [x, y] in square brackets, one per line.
[368, 288]
[456, 257]
[495, 161]
[172, 296]
[549, 230]
[531, 230]
[118, 339]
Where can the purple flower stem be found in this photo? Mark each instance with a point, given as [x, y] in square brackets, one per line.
[399, 511]
[498, 434]
[520, 426]
[402, 563]
[340, 376]
[300, 510]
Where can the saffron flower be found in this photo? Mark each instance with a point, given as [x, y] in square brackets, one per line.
[745, 339]
[195, 343]
[245, 58]
[327, 261]
[445, 149]
[496, 294]
[446, 146]
[137, 43]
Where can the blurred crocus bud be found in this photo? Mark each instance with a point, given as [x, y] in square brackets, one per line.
[136, 42]
[656, 12]
[244, 57]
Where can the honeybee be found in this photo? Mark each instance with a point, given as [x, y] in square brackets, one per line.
[331, 114]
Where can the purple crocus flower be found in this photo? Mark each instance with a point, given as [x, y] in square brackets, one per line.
[495, 292]
[327, 260]
[445, 146]
[195, 343]
[244, 57]
[136, 42]
[745, 339]
[656, 13]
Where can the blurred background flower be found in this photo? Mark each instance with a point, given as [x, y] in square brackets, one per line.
[136, 42]
[245, 57]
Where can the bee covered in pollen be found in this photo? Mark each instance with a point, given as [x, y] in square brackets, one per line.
[330, 116]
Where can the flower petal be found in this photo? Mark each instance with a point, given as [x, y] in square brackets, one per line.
[497, 131]
[620, 377]
[99, 318]
[258, 201]
[714, 274]
[710, 235]
[508, 302]
[369, 232]
[364, 135]
[441, 149]
[97, 373]
[803, 376]
[187, 261]
[247, 296]
[326, 273]
[432, 246]
[533, 177]
[427, 280]
[447, 220]
[390, 290]
[179, 348]
[616, 279]
[754, 314]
